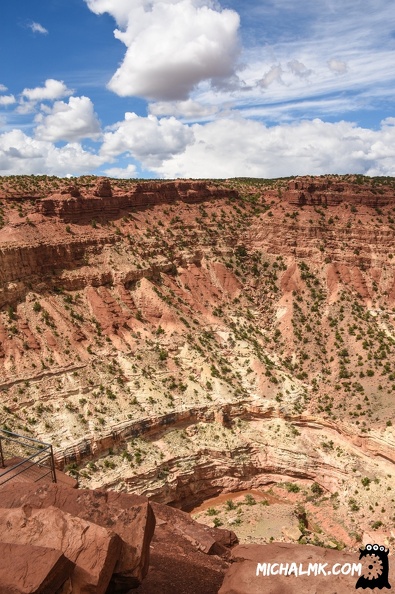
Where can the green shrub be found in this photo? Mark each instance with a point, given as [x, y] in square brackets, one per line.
[292, 488]
[249, 499]
[315, 487]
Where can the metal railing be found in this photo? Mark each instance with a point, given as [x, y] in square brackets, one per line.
[41, 458]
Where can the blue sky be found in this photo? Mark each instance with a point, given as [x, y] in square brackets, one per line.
[197, 88]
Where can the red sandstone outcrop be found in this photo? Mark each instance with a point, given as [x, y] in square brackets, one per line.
[30, 569]
[186, 557]
[94, 550]
[106, 202]
[37, 250]
[97, 541]
[212, 541]
[129, 516]
[73, 191]
[103, 188]
[327, 191]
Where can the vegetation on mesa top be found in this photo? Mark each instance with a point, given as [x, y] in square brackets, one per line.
[38, 184]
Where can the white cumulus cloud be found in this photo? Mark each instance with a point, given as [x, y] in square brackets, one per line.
[150, 140]
[70, 121]
[22, 155]
[172, 45]
[7, 99]
[122, 172]
[242, 147]
[52, 89]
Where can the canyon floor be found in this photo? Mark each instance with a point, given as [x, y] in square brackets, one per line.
[223, 346]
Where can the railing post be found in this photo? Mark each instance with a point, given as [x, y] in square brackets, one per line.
[53, 471]
[1, 455]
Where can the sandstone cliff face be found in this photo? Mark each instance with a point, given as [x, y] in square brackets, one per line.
[334, 191]
[48, 248]
[105, 203]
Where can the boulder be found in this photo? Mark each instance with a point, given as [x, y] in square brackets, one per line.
[292, 532]
[212, 541]
[94, 550]
[129, 516]
[186, 557]
[29, 569]
[73, 191]
[103, 188]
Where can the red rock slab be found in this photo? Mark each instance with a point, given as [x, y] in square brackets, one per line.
[241, 577]
[93, 549]
[175, 570]
[130, 516]
[186, 557]
[28, 569]
[212, 541]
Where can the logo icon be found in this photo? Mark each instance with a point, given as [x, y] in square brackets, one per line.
[374, 567]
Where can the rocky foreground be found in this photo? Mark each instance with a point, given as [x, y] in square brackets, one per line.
[81, 541]
[186, 340]
[59, 540]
